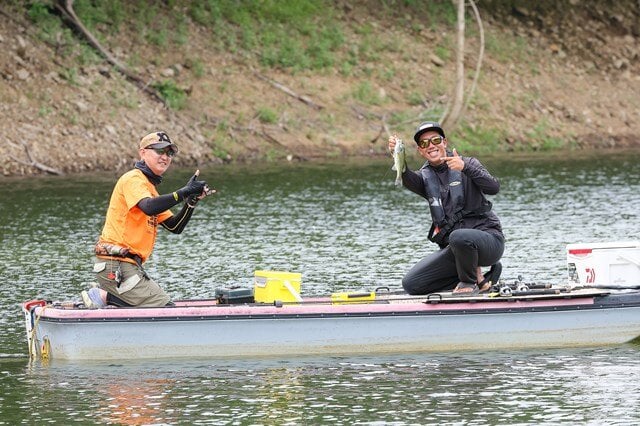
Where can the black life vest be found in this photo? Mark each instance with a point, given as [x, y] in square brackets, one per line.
[439, 220]
[432, 188]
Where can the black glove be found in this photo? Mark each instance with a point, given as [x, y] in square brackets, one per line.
[192, 200]
[193, 187]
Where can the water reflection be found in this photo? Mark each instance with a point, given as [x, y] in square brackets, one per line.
[134, 402]
[556, 386]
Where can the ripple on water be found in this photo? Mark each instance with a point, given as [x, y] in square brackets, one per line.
[343, 228]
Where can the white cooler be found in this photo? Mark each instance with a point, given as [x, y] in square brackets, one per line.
[611, 265]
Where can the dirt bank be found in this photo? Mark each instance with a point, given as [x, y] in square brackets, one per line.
[552, 77]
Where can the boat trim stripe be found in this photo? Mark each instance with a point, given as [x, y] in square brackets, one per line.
[279, 316]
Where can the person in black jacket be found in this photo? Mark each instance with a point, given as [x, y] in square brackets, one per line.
[468, 233]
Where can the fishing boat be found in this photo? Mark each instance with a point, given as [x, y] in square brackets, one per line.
[320, 326]
[272, 319]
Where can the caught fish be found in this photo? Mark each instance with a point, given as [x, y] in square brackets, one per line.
[399, 164]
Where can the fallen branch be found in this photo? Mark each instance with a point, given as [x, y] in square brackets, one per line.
[66, 8]
[266, 136]
[384, 128]
[364, 114]
[32, 162]
[288, 91]
[376, 137]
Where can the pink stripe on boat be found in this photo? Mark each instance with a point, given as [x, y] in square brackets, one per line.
[210, 309]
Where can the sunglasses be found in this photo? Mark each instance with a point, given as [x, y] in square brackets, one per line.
[436, 140]
[160, 151]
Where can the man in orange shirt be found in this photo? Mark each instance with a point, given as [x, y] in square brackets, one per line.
[129, 234]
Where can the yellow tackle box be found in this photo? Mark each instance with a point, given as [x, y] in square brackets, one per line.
[269, 286]
[352, 297]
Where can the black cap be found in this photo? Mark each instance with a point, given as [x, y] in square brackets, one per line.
[425, 127]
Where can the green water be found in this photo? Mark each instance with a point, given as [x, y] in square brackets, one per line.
[344, 226]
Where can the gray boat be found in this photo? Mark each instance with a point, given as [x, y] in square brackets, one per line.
[380, 322]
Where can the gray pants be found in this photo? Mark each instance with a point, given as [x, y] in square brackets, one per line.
[458, 262]
[144, 291]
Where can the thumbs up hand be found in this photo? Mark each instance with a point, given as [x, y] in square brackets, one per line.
[455, 162]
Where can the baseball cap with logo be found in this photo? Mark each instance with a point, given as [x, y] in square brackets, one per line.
[425, 127]
[158, 140]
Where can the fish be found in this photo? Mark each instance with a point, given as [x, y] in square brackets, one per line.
[399, 160]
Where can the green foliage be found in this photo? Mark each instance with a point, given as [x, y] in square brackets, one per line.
[296, 35]
[218, 149]
[539, 139]
[442, 52]
[181, 34]
[158, 38]
[197, 67]
[399, 117]
[415, 99]
[173, 95]
[439, 86]
[366, 94]
[70, 75]
[436, 13]
[88, 55]
[44, 111]
[39, 12]
[267, 115]
[508, 49]
[49, 25]
[476, 139]
[108, 15]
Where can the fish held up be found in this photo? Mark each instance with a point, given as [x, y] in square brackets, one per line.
[399, 160]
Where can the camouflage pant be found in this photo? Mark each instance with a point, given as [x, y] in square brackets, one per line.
[134, 288]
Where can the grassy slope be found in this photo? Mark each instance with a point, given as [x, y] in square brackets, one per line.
[365, 63]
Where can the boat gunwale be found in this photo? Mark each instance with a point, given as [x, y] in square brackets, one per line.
[338, 315]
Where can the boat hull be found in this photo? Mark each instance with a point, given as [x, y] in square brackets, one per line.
[236, 331]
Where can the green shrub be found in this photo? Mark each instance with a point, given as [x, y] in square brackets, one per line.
[477, 139]
[539, 138]
[296, 35]
[367, 94]
[174, 96]
[267, 115]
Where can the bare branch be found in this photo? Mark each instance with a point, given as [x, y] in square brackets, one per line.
[66, 8]
[32, 162]
[288, 91]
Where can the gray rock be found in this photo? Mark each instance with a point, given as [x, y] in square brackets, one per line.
[168, 72]
[22, 74]
[436, 60]
[81, 106]
[21, 50]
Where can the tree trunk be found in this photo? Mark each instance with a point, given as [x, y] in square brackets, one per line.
[480, 57]
[451, 117]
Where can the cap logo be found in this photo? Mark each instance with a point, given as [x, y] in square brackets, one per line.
[163, 137]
